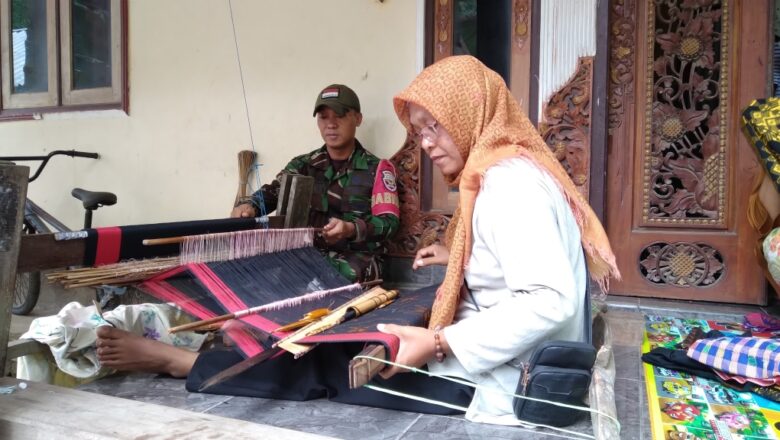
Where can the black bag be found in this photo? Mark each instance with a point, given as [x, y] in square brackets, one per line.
[558, 371]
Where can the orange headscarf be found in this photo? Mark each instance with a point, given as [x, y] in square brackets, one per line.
[487, 125]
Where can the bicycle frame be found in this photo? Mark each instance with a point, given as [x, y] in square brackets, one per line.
[40, 220]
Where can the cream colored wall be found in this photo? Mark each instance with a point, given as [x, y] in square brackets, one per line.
[174, 156]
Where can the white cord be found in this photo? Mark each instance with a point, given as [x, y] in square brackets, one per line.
[483, 388]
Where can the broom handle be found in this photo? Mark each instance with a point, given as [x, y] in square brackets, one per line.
[227, 316]
[203, 323]
[159, 241]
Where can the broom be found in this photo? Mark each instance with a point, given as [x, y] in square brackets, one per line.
[246, 159]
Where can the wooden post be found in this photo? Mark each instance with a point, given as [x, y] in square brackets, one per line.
[297, 201]
[13, 192]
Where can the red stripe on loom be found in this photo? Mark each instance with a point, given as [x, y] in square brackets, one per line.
[217, 287]
[232, 303]
[109, 242]
[389, 341]
[166, 292]
[167, 274]
[244, 341]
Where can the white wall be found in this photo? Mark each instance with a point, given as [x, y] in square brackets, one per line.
[173, 157]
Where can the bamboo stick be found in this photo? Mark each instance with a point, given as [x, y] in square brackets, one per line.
[196, 325]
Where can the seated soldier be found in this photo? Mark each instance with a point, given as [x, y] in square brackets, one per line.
[355, 201]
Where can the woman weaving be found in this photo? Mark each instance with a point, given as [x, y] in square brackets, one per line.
[517, 238]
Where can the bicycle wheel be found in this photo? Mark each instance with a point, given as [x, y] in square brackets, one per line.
[28, 286]
[26, 291]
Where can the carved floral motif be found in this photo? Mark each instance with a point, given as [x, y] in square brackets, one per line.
[684, 161]
[566, 125]
[521, 11]
[418, 229]
[443, 27]
[622, 25]
[681, 264]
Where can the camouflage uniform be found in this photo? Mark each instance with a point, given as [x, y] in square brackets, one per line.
[345, 194]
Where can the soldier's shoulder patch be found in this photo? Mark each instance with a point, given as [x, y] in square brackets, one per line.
[384, 197]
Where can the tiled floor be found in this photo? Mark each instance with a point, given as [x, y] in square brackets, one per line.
[624, 316]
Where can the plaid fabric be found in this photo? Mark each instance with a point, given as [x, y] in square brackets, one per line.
[748, 357]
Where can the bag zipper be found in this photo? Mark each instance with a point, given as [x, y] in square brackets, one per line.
[526, 368]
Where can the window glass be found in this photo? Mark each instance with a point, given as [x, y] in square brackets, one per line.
[29, 54]
[91, 43]
[465, 28]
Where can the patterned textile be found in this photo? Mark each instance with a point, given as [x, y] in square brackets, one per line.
[742, 380]
[487, 125]
[752, 357]
[770, 246]
[71, 336]
[761, 322]
[761, 120]
[346, 193]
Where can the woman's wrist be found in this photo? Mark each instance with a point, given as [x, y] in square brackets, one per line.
[441, 349]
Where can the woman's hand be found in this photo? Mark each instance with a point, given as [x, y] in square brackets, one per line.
[338, 229]
[433, 254]
[416, 347]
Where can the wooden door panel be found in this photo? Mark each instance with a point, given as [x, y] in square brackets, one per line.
[679, 169]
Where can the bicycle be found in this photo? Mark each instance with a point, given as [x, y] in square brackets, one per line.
[38, 221]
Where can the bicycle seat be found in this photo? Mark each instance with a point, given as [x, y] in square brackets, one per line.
[93, 200]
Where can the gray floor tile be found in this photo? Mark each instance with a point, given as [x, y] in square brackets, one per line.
[695, 310]
[319, 417]
[151, 388]
[628, 393]
[627, 303]
[456, 428]
[628, 362]
[626, 328]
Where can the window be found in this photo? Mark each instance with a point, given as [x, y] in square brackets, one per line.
[59, 55]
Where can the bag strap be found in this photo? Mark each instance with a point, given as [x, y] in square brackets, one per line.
[588, 324]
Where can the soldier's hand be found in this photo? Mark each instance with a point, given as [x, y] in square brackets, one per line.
[337, 229]
[243, 210]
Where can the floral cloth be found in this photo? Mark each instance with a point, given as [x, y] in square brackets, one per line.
[771, 248]
[71, 336]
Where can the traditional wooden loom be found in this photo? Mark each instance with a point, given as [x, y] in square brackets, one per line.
[48, 251]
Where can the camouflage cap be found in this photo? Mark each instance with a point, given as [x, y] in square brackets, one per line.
[338, 97]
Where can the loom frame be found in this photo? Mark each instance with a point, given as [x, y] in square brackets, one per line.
[27, 253]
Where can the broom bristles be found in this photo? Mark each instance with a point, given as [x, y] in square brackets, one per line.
[246, 159]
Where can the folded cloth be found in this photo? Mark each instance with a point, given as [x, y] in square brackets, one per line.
[71, 336]
[761, 322]
[748, 357]
[678, 360]
[745, 380]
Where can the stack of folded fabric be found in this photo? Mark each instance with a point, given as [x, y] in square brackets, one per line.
[745, 362]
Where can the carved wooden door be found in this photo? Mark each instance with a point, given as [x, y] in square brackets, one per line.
[679, 168]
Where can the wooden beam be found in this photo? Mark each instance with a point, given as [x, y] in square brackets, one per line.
[41, 251]
[298, 201]
[362, 370]
[23, 347]
[13, 192]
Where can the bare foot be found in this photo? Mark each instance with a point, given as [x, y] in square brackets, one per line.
[126, 351]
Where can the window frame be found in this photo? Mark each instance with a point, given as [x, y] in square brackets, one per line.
[48, 98]
[16, 106]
